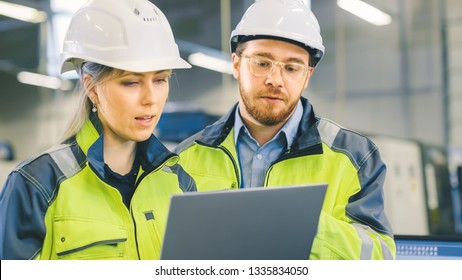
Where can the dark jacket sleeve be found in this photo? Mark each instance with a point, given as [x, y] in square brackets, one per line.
[23, 205]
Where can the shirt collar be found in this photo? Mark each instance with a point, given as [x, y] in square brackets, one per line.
[150, 153]
[290, 127]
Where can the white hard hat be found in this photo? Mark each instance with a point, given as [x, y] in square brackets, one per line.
[131, 35]
[289, 20]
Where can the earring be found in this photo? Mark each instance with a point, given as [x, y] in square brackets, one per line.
[94, 109]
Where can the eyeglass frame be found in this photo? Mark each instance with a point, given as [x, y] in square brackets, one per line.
[282, 65]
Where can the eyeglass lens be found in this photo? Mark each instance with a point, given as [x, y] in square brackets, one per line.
[262, 66]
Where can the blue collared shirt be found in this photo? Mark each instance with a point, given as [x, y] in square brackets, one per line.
[255, 160]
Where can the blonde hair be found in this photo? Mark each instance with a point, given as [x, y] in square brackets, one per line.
[98, 73]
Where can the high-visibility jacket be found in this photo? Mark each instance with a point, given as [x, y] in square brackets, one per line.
[352, 223]
[58, 206]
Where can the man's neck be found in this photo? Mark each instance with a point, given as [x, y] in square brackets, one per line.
[262, 133]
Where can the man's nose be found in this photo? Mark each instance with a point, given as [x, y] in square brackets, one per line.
[275, 76]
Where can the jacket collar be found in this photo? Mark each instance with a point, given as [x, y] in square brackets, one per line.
[151, 153]
[215, 134]
[307, 134]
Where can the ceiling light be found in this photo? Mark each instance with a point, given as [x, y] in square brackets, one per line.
[22, 12]
[43, 81]
[365, 11]
[210, 62]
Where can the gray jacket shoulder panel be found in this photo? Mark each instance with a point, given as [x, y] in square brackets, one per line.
[356, 146]
[29, 190]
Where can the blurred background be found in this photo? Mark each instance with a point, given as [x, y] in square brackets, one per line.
[394, 74]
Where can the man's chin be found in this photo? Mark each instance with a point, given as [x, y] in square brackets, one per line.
[269, 119]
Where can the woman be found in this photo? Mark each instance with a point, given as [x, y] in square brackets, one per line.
[104, 192]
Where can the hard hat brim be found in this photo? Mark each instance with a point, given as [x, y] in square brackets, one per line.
[131, 66]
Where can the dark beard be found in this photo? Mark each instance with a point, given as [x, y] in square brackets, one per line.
[266, 115]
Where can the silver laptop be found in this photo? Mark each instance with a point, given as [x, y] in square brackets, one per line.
[247, 224]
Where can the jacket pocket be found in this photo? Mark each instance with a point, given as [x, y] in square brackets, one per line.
[80, 238]
[154, 233]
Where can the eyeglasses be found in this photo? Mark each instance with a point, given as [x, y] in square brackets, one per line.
[262, 66]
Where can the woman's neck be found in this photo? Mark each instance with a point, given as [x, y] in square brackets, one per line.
[119, 156]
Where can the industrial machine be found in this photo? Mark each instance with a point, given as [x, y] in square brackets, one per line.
[418, 195]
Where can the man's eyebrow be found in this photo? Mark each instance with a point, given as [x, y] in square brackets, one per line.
[270, 56]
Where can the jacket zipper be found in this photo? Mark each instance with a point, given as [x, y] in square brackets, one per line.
[147, 172]
[228, 153]
[104, 242]
[137, 183]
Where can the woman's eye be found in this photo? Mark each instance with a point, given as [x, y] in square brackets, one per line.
[129, 83]
[161, 80]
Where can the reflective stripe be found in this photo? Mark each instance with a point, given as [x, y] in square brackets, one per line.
[66, 161]
[328, 131]
[387, 255]
[367, 244]
[186, 182]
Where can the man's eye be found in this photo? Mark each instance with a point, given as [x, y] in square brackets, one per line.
[262, 63]
[293, 68]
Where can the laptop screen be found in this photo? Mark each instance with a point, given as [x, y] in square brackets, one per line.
[258, 223]
[433, 247]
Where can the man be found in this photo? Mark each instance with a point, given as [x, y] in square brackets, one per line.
[272, 137]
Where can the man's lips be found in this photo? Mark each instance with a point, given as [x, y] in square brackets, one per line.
[272, 99]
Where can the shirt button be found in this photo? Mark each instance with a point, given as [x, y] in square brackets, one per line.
[259, 156]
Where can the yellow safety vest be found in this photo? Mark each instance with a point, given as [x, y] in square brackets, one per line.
[72, 213]
[352, 224]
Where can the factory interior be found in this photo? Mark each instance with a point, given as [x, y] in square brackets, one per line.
[397, 81]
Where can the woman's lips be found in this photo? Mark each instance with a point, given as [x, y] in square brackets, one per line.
[145, 120]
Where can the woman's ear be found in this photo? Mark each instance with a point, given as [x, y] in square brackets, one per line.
[90, 89]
